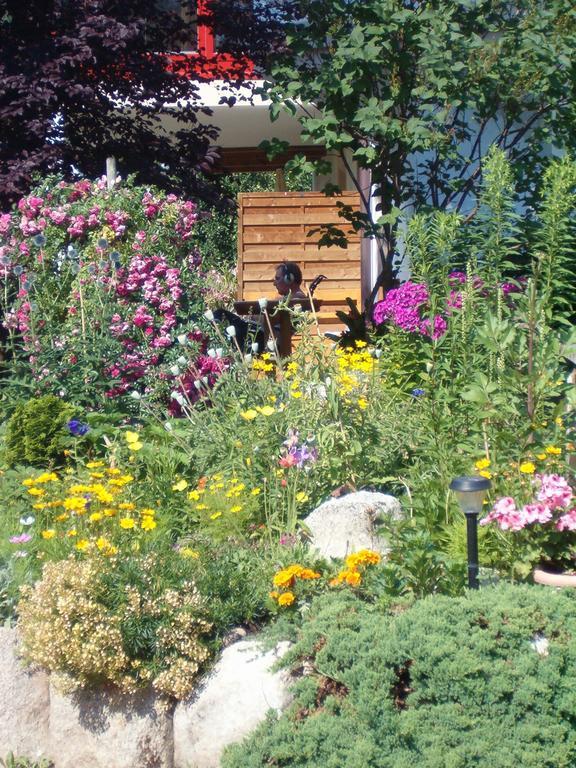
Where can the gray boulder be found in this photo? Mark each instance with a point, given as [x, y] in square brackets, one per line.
[230, 703]
[103, 728]
[347, 524]
[24, 703]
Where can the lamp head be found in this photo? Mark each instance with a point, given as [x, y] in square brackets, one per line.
[470, 492]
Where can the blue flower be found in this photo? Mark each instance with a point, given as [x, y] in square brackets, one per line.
[418, 392]
[77, 428]
[39, 240]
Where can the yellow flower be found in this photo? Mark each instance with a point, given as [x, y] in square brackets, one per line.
[266, 410]
[527, 468]
[553, 450]
[127, 523]
[558, 421]
[39, 505]
[49, 533]
[181, 485]
[113, 471]
[94, 464]
[82, 545]
[236, 508]
[71, 532]
[216, 515]
[28, 481]
[131, 437]
[541, 456]
[201, 506]
[62, 517]
[362, 403]
[482, 464]
[194, 495]
[126, 505]
[248, 461]
[249, 414]
[148, 524]
[75, 504]
[188, 552]
[102, 543]
[95, 517]
[147, 511]
[296, 394]
[287, 598]
[301, 497]
[485, 473]
[359, 343]
[36, 492]
[255, 491]
[135, 446]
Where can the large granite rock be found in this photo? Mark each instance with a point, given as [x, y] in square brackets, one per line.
[231, 702]
[24, 703]
[347, 524]
[105, 729]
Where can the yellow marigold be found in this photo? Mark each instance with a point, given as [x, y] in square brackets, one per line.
[95, 517]
[352, 578]
[286, 598]
[28, 481]
[527, 468]
[363, 557]
[274, 594]
[308, 573]
[49, 533]
[148, 524]
[127, 522]
[482, 463]
[285, 577]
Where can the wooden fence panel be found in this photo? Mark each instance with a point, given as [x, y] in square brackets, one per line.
[275, 226]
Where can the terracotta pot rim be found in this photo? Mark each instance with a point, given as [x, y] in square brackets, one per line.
[542, 576]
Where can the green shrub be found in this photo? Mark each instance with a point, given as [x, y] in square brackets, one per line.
[36, 432]
[447, 683]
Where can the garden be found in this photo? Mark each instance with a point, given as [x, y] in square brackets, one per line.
[156, 478]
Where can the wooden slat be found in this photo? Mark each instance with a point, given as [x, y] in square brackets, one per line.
[275, 226]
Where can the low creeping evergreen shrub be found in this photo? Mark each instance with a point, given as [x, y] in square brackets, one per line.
[36, 432]
[481, 680]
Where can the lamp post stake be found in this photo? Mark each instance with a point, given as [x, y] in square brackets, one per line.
[472, 547]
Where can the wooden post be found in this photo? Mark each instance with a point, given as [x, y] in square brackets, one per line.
[110, 172]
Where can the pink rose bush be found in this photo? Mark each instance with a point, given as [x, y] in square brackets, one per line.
[97, 286]
[546, 525]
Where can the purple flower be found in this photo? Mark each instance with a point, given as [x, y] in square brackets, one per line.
[22, 538]
[418, 392]
[77, 428]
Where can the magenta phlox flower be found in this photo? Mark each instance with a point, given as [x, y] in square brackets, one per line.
[434, 329]
[554, 491]
[401, 306]
[22, 538]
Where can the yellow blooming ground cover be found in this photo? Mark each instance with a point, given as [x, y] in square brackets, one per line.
[221, 505]
[89, 510]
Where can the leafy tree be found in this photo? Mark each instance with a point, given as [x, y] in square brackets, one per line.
[85, 79]
[418, 92]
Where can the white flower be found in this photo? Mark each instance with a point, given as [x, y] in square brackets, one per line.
[198, 384]
[231, 331]
[270, 345]
[135, 395]
[168, 427]
[178, 397]
[182, 339]
[174, 370]
[219, 352]
[255, 347]
[327, 381]
[182, 360]
[212, 353]
[209, 315]
[205, 380]
[27, 520]
[263, 303]
[248, 358]
[377, 353]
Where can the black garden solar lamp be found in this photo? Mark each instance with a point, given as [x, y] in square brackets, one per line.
[470, 492]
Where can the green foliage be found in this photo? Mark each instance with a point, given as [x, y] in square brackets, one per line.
[448, 683]
[418, 93]
[36, 432]
[13, 761]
